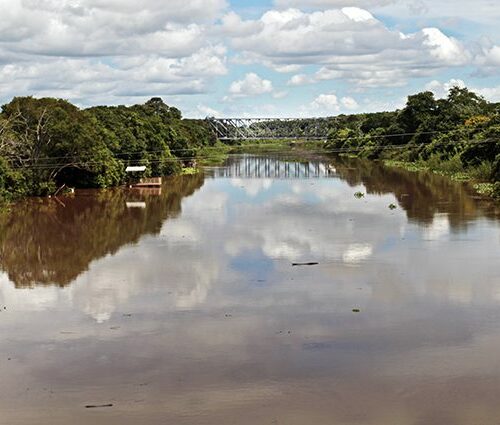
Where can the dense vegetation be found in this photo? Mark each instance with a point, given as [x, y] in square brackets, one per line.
[458, 135]
[47, 143]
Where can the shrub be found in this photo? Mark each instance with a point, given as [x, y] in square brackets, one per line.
[482, 172]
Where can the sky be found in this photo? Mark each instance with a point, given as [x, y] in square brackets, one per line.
[242, 58]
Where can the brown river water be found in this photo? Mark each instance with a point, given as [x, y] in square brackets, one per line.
[182, 306]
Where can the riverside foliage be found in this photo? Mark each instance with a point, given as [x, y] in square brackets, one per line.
[458, 135]
[45, 143]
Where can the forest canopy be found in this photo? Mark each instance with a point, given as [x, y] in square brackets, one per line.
[460, 133]
[45, 143]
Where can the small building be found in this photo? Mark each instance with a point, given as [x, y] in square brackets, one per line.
[135, 169]
[137, 178]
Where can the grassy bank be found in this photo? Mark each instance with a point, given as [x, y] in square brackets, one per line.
[213, 155]
[217, 154]
[476, 176]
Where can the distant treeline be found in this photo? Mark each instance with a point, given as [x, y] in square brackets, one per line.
[458, 134]
[45, 143]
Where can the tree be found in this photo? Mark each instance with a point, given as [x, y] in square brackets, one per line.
[54, 142]
[460, 105]
[419, 116]
[156, 106]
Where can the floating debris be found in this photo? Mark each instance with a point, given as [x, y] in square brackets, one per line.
[359, 195]
[356, 310]
[305, 264]
[392, 207]
[98, 406]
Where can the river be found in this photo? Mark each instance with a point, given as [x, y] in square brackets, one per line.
[183, 306]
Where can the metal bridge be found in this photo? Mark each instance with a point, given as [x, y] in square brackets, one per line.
[250, 167]
[229, 129]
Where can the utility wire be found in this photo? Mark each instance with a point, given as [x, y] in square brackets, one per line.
[303, 140]
[43, 166]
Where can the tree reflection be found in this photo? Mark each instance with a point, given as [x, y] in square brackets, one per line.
[422, 195]
[51, 242]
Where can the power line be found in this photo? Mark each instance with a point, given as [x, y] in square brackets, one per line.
[167, 150]
[47, 166]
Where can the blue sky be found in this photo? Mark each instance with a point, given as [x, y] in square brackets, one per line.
[248, 58]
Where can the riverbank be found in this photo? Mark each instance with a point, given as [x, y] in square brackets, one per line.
[475, 176]
[457, 136]
[294, 150]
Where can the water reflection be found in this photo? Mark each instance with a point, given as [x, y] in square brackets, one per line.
[422, 195]
[196, 316]
[52, 242]
[46, 241]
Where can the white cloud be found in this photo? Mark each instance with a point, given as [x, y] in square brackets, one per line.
[492, 56]
[251, 85]
[452, 11]
[441, 89]
[95, 28]
[280, 94]
[443, 48]
[357, 15]
[327, 74]
[93, 50]
[86, 81]
[490, 93]
[205, 111]
[233, 24]
[285, 68]
[349, 103]
[488, 60]
[348, 43]
[328, 4]
[326, 102]
[299, 80]
[123, 51]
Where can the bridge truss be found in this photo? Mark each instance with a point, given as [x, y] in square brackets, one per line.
[233, 129]
[273, 168]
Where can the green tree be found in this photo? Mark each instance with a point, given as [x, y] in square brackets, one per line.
[419, 116]
[56, 143]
